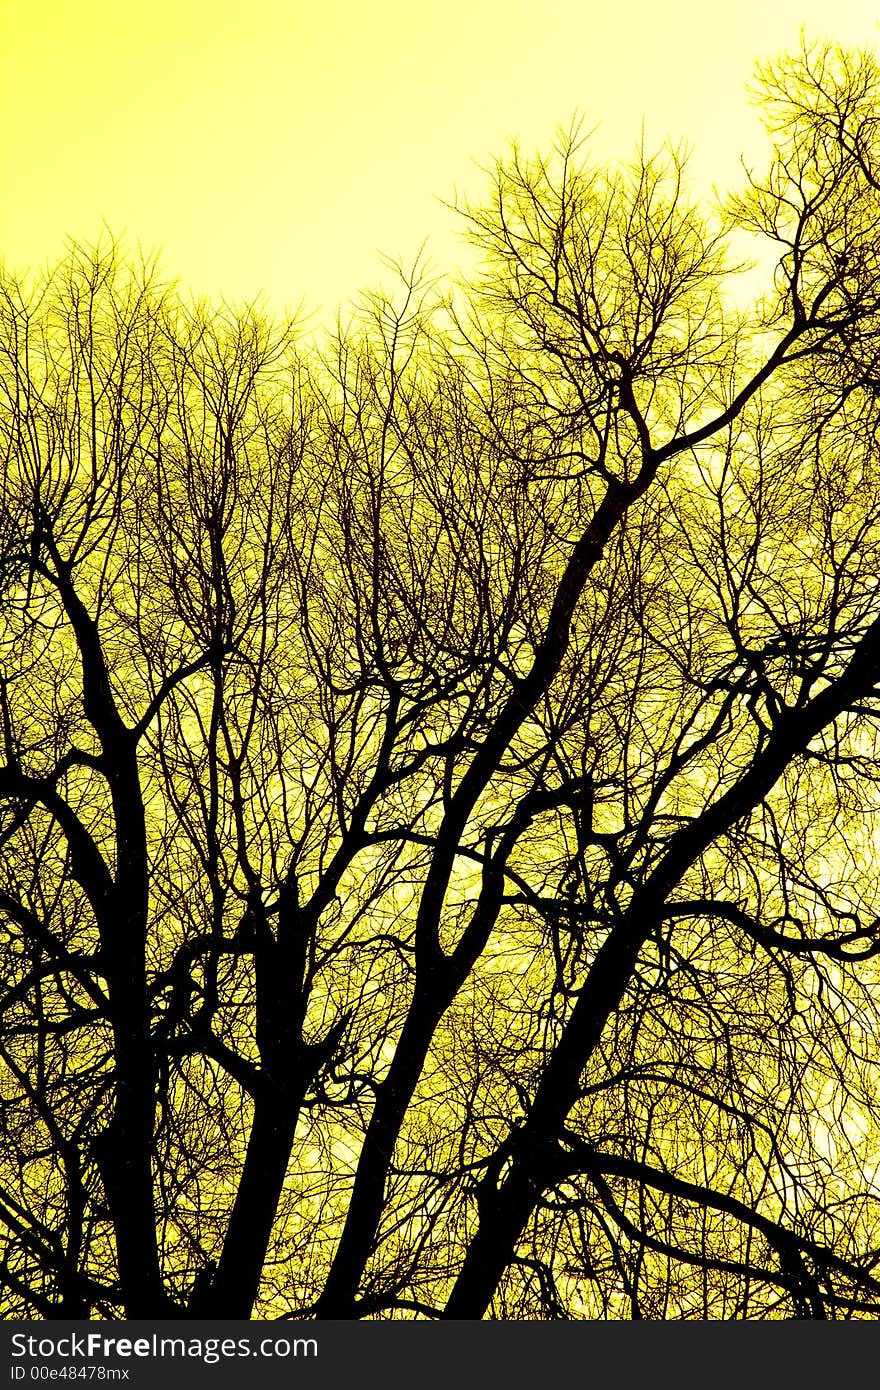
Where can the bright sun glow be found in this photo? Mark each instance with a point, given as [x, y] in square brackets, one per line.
[278, 147]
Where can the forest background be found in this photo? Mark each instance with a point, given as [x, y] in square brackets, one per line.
[439, 753]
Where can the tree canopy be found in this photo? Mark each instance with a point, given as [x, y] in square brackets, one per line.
[438, 768]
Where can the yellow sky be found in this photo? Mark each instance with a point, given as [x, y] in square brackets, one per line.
[278, 146]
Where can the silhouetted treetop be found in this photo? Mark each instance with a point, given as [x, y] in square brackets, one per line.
[438, 765]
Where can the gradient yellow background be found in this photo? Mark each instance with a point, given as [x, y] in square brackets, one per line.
[277, 147]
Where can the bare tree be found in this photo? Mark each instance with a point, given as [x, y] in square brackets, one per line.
[437, 865]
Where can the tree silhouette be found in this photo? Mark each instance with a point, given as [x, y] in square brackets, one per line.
[437, 871]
